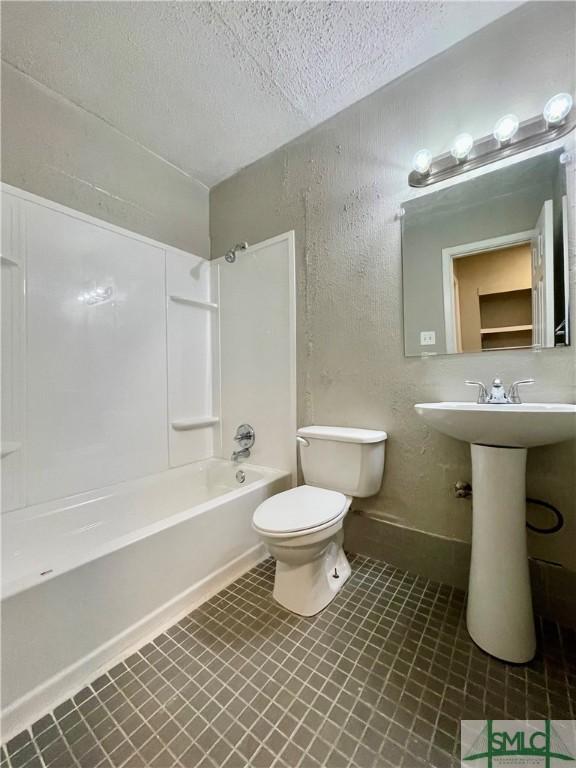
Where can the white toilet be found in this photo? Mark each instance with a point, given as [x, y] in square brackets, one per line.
[302, 527]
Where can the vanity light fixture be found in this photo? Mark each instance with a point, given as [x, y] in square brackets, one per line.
[462, 147]
[510, 137]
[557, 108]
[506, 128]
[422, 161]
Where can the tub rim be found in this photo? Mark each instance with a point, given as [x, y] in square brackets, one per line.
[64, 564]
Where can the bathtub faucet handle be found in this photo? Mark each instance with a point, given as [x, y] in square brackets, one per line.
[245, 437]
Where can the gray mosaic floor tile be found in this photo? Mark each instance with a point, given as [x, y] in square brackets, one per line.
[379, 679]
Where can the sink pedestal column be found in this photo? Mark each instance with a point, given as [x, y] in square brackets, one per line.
[499, 614]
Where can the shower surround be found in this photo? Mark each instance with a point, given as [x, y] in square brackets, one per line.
[127, 366]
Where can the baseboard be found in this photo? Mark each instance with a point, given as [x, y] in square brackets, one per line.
[448, 561]
[42, 700]
[436, 557]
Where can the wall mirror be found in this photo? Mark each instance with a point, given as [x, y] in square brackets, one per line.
[485, 262]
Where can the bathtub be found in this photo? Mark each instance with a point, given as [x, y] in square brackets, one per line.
[87, 579]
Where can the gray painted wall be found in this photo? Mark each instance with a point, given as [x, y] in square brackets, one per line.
[339, 187]
[61, 152]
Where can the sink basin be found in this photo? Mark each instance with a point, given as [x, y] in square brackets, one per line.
[508, 426]
[499, 613]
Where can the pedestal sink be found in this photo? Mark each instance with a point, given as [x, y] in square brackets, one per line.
[499, 614]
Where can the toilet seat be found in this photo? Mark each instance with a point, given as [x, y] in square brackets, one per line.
[300, 510]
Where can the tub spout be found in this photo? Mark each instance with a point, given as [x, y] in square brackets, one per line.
[243, 453]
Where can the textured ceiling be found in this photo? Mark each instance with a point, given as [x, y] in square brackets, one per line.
[211, 87]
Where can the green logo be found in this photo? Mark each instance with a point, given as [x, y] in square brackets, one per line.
[527, 741]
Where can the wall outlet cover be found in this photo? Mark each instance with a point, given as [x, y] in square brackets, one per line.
[427, 337]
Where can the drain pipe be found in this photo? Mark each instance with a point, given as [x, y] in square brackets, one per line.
[463, 490]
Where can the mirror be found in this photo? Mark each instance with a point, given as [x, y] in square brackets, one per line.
[484, 262]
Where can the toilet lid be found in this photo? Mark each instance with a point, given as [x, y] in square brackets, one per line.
[299, 509]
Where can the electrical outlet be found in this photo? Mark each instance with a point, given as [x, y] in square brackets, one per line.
[427, 337]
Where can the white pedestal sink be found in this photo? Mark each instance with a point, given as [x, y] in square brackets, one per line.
[499, 613]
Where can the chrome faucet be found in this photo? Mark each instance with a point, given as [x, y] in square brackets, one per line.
[243, 453]
[514, 394]
[497, 394]
[245, 437]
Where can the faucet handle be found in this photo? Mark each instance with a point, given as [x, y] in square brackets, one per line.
[245, 436]
[514, 394]
[482, 391]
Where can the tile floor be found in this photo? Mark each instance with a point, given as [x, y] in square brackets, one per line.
[380, 678]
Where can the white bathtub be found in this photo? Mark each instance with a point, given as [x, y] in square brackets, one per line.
[86, 579]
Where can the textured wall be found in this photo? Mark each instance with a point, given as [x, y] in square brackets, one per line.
[339, 187]
[54, 149]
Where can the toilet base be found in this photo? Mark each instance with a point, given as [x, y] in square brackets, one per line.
[309, 587]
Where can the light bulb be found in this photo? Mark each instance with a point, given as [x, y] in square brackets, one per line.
[557, 108]
[462, 146]
[506, 128]
[422, 161]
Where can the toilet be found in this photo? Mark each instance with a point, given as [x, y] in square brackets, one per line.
[302, 527]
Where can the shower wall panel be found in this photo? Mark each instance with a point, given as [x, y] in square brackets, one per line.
[96, 359]
[108, 369]
[13, 263]
[258, 350]
[193, 391]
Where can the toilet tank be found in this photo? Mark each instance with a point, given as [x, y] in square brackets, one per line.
[343, 459]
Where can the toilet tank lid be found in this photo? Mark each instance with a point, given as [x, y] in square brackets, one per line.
[344, 434]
